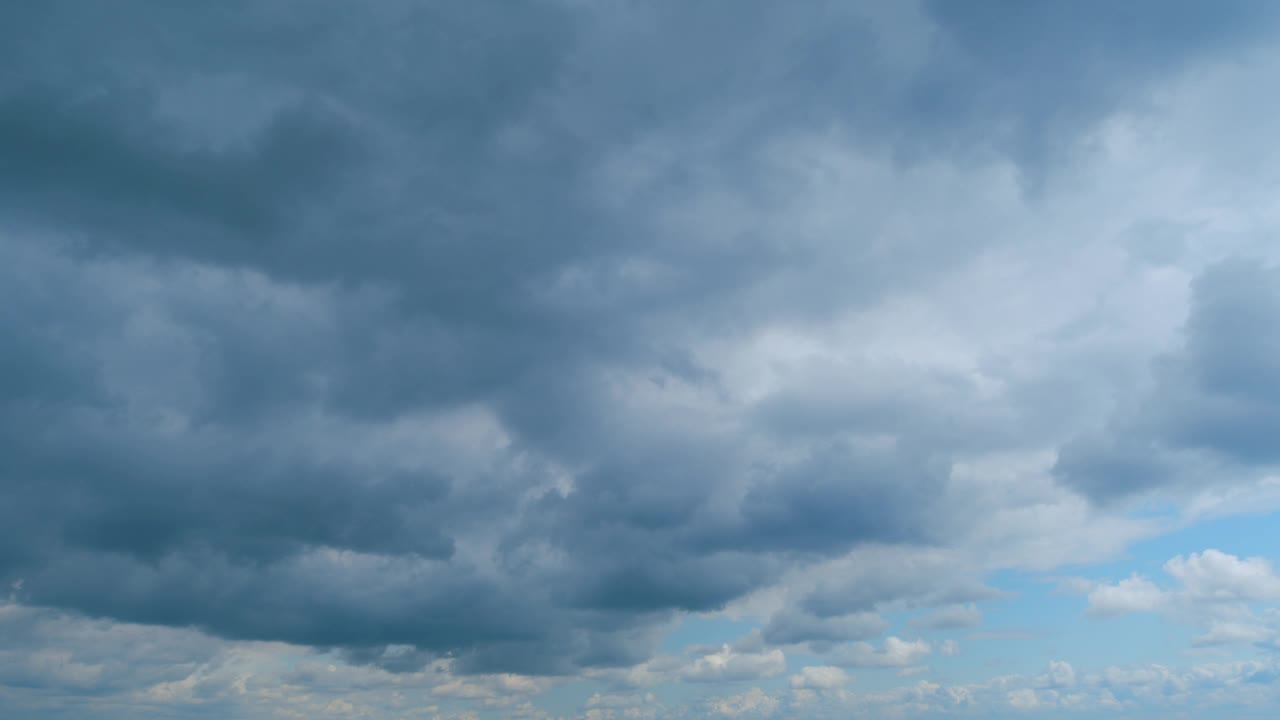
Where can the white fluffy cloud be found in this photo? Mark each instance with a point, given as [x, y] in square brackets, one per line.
[752, 703]
[1133, 594]
[894, 652]
[1196, 691]
[1214, 576]
[727, 665]
[1205, 579]
[823, 677]
[1060, 674]
[1212, 589]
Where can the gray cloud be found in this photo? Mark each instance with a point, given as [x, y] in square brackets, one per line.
[949, 618]
[792, 627]
[1208, 417]
[895, 580]
[391, 326]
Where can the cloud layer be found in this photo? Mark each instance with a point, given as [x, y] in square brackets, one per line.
[494, 340]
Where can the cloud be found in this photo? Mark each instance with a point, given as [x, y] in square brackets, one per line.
[1213, 590]
[1060, 674]
[1038, 36]
[895, 577]
[1023, 699]
[1207, 578]
[1230, 633]
[895, 652]
[728, 665]
[1133, 594]
[753, 703]
[950, 617]
[1217, 576]
[820, 678]
[1062, 689]
[791, 627]
[1203, 420]
[500, 336]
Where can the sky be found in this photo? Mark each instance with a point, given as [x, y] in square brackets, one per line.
[639, 359]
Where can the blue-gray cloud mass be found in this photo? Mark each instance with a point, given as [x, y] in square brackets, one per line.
[361, 326]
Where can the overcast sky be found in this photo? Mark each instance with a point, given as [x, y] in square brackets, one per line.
[639, 359]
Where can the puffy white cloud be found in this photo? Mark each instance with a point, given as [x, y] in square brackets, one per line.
[729, 665]
[1224, 632]
[752, 703]
[894, 652]
[1214, 576]
[621, 707]
[1060, 675]
[1023, 699]
[1133, 594]
[1210, 589]
[1198, 691]
[823, 677]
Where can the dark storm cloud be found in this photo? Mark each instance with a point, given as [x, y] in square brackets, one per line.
[104, 163]
[1054, 66]
[250, 249]
[841, 497]
[1215, 403]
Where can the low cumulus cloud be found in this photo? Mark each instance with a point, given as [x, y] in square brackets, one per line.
[894, 652]
[1232, 600]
